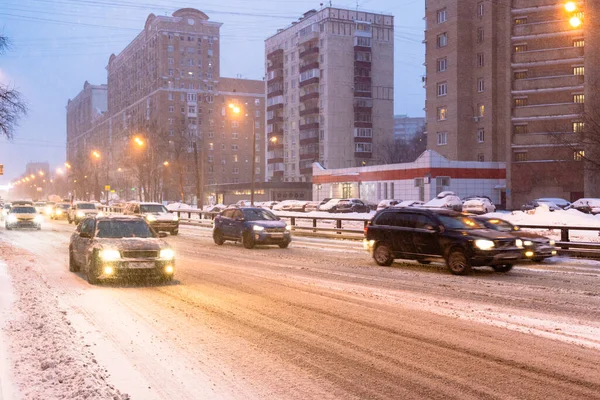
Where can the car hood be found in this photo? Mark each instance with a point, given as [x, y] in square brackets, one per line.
[87, 210]
[486, 234]
[269, 224]
[132, 243]
[477, 203]
[530, 236]
[24, 216]
[162, 216]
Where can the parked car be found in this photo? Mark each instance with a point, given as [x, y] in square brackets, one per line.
[536, 247]
[251, 226]
[298, 205]
[267, 204]
[409, 203]
[533, 204]
[114, 246]
[157, 215]
[586, 205]
[284, 205]
[312, 206]
[387, 203]
[330, 205]
[352, 205]
[562, 203]
[23, 216]
[428, 235]
[478, 205]
[242, 203]
[60, 211]
[445, 200]
[80, 210]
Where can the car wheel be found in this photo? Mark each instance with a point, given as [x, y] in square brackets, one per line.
[502, 268]
[248, 240]
[218, 237]
[167, 278]
[39, 228]
[175, 232]
[383, 255]
[70, 220]
[92, 271]
[8, 228]
[285, 245]
[73, 267]
[458, 263]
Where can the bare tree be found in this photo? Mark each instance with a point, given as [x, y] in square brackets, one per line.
[12, 104]
[403, 151]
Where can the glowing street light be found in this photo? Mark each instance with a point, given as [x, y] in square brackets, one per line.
[59, 171]
[570, 6]
[575, 22]
[96, 154]
[32, 176]
[166, 163]
[139, 141]
[41, 173]
[67, 165]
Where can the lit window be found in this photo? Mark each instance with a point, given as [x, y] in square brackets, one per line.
[480, 110]
[442, 113]
[578, 155]
[520, 156]
[520, 74]
[521, 21]
[578, 127]
[520, 48]
[211, 146]
[442, 40]
[578, 43]
[441, 16]
[480, 135]
[442, 138]
[442, 64]
[578, 98]
[578, 71]
[521, 102]
[520, 129]
[442, 89]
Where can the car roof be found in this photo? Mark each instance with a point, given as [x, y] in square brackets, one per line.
[117, 217]
[439, 211]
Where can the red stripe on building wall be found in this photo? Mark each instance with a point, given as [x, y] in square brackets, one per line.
[395, 175]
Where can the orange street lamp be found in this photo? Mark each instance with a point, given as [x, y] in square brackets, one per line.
[119, 169]
[96, 154]
[166, 163]
[32, 176]
[59, 171]
[41, 173]
[139, 141]
[67, 165]
[575, 22]
[570, 6]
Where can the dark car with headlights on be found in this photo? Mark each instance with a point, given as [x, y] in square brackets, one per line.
[428, 235]
[115, 246]
[251, 226]
[23, 217]
[535, 247]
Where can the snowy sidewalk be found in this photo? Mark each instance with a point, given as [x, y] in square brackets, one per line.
[7, 391]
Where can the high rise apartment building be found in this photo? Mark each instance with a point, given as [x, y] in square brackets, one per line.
[506, 81]
[166, 87]
[329, 84]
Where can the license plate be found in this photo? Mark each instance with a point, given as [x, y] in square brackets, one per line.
[141, 265]
[276, 235]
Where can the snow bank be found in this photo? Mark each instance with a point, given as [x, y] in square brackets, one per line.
[541, 216]
[49, 359]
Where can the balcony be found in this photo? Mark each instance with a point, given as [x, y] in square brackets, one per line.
[308, 37]
[306, 171]
[308, 111]
[544, 110]
[275, 119]
[275, 53]
[275, 160]
[308, 66]
[545, 28]
[549, 82]
[309, 156]
[358, 109]
[363, 64]
[309, 96]
[368, 95]
[532, 3]
[310, 81]
[362, 79]
[363, 124]
[309, 140]
[312, 125]
[363, 155]
[363, 140]
[275, 93]
[275, 66]
[548, 55]
[362, 48]
[275, 107]
[309, 51]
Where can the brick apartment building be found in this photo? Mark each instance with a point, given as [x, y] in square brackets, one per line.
[330, 84]
[166, 88]
[506, 82]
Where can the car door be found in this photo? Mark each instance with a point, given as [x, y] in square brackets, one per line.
[86, 244]
[237, 223]
[403, 234]
[79, 243]
[225, 223]
[425, 239]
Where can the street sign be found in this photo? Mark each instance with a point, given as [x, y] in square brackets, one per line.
[106, 187]
[1, 169]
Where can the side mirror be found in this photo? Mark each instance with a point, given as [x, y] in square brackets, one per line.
[85, 235]
[162, 234]
[441, 228]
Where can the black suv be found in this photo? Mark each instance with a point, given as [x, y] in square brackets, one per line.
[251, 225]
[432, 235]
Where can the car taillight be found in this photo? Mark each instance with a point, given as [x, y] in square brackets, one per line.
[367, 228]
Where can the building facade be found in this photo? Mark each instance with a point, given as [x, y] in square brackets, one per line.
[507, 83]
[421, 180]
[329, 85]
[405, 127]
[167, 106]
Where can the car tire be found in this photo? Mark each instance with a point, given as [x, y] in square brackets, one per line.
[502, 268]
[248, 240]
[73, 267]
[92, 271]
[458, 263]
[70, 220]
[383, 255]
[218, 237]
[175, 232]
[8, 228]
[167, 278]
[39, 228]
[285, 245]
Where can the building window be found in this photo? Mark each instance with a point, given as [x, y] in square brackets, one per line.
[192, 97]
[442, 113]
[480, 60]
[363, 147]
[234, 147]
[170, 49]
[578, 155]
[442, 138]
[209, 99]
[170, 121]
[211, 158]
[363, 132]
[171, 73]
[235, 135]
[480, 35]
[480, 85]
[362, 41]
[578, 43]
[442, 40]
[211, 135]
[521, 21]
[223, 147]
[480, 157]
[578, 127]
[520, 156]
[192, 109]
[520, 75]
[236, 171]
[480, 9]
[441, 16]
[235, 124]
[578, 98]
[211, 146]
[171, 96]
[578, 71]
[442, 89]
[442, 64]
[171, 109]
[480, 110]
[520, 48]
[521, 102]
[171, 60]
[480, 135]
[520, 129]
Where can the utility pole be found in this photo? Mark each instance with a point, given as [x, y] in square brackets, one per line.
[199, 185]
[253, 178]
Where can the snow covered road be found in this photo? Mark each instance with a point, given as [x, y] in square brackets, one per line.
[318, 320]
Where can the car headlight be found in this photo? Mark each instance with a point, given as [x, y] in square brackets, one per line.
[58, 212]
[100, 215]
[288, 227]
[552, 243]
[483, 244]
[527, 243]
[175, 217]
[519, 243]
[167, 254]
[150, 218]
[258, 228]
[38, 219]
[110, 255]
[80, 214]
[12, 218]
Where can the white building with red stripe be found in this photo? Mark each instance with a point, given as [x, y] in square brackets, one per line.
[421, 180]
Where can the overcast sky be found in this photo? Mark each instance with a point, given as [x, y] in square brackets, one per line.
[59, 44]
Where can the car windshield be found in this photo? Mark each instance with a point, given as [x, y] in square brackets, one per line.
[153, 208]
[64, 206]
[23, 210]
[498, 225]
[257, 214]
[86, 206]
[116, 229]
[459, 222]
[39, 204]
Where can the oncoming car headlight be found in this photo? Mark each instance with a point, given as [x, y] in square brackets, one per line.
[38, 219]
[519, 243]
[552, 243]
[150, 218]
[175, 217]
[11, 218]
[167, 254]
[527, 243]
[80, 214]
[483, 244]
[110, 255]
[258, 228]
[288, 227]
